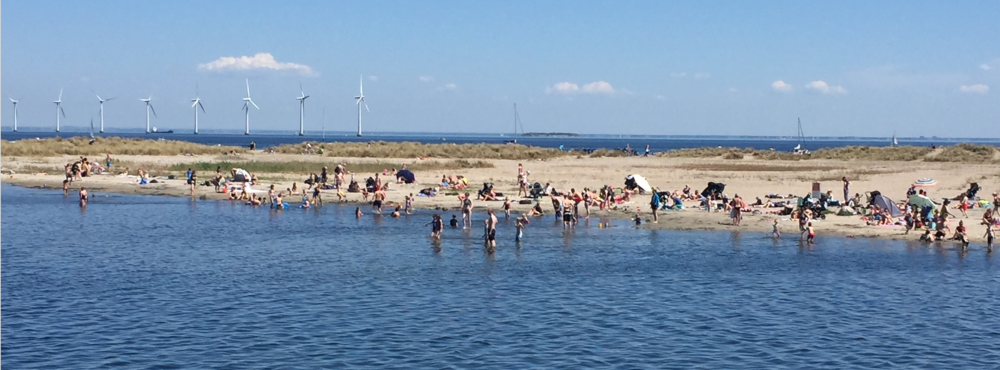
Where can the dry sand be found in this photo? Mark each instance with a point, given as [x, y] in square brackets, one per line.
[747, 177]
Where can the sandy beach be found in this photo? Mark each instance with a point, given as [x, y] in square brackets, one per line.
[750, 178]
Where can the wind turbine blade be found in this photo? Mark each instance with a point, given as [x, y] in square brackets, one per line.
[154, 110]
[366, 106]
[99, 97]
[362, 79]
[302, 91]
[110, 99]
[60, 93]
[305, 97]
[246, 106]
[194, 103]
[63, 111]
[254, 104]
[248, 87]
[202, 107]
[12, 100]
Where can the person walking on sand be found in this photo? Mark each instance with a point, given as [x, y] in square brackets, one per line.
[647, 151]
[654, 205]
[491, 229]
[107, 162]
[467, 211]
[84, 197]
[847, 188]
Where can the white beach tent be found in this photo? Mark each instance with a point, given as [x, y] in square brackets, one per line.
[633, 181]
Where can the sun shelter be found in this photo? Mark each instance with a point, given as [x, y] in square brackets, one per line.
[925, 183]
[633, 182]
[406, 176]
[921, 201]
[884, 202]
[239, 175]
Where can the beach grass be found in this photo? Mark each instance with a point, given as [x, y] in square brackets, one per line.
[966, 153]
[114, 145]
[960, 153]
[382, 149]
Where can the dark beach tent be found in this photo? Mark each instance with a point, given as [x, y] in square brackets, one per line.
[885, 203]
[406, 175]
[714, 188]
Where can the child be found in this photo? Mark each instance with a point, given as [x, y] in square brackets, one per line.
[409, 203]
[812, 233]
[436, 226]
[506, 208]
[395, 213]
[357, 212]
[519, 224]
[775, 233]
[454, 221]
[637, 219]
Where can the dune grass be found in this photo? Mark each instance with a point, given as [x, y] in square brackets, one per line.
[114, 145]
[306, 167]
[962, 153]
[966, 153]
[381, 149]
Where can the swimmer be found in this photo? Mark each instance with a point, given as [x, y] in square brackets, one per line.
[775, 233]
[395, 213]
[357, 212]
[84, 197]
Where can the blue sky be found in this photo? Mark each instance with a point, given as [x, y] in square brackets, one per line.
[599, 67]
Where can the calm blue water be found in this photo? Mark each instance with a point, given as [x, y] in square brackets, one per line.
[656, 143]
[155, 282]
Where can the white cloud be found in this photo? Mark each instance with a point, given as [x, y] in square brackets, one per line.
[823, 87]
[450, 86]
[781, 86]
[974, 89]
[259, 61]
[426, 78]
[984, 66]
[598, 87]
[563, 88]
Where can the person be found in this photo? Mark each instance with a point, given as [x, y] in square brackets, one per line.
[454, 221]
[193, 181]
[377, 201]
[107, 162]
[775, 233]
[188, 175]
[317, 198]
[990, 237]
[847, 187]
[305, 200]
[964, 205]
[647, 151]
[357, 212]
[278, 203]
[520, 223]
[908, 219]
[436, 226]
[536, 210]
[654, 204]
[926, 236]
[637, 219]
[84, 197]
[567, 214]
[395, 213]
[295, 187]
[467, 211]
[812, 233]
[506, 208]
[491, 229]
[409, 203]
[804, 222]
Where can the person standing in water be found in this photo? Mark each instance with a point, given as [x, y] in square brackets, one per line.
[506, 209]
[491, 229]
[775, 233]
[811, 238]
[520, 223]
[84, 197]
[990, 237]
[193, 180]
[467, 212]
[436, 226]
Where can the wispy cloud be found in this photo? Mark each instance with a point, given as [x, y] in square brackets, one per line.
[823, 87]
[781, 86]
[974, 89]
[450, 86]
[985, 67]
[260, 61]
[426, 78]
[596, 87]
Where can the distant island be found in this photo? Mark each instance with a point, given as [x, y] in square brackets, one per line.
[550, 134]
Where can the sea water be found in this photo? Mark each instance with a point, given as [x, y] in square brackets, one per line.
[157, 282]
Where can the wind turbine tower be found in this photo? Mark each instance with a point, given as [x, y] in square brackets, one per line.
[15, 112]
[59, 109]
[196, 103]
[149, 107]
[246, 107]
[302, 110]
[361, 100]
[102, 109]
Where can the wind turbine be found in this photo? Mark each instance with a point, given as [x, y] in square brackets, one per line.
[149, 107]
[196, 103]
[302, 110]
[15, 112]
[361, 99]
[102, 109]
[246, 107]
[59, 109]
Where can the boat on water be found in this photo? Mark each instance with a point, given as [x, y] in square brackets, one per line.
[894, 142]
[517, 124]
[156, 131]
[800, 148]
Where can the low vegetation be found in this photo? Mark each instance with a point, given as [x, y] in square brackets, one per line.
[114, 145]
[305, 167]
[963, 153]
[381, 149]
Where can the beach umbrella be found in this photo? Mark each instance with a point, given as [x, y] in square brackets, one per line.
[634, 181]
[921, 201]
[406, 175]
[925, 183]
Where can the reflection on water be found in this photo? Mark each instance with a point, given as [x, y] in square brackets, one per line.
[143, 282]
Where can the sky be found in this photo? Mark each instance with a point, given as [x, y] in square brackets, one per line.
[846, 68]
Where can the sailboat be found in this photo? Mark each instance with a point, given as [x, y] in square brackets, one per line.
[894, 141]
[800, 149]
[517, 124]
